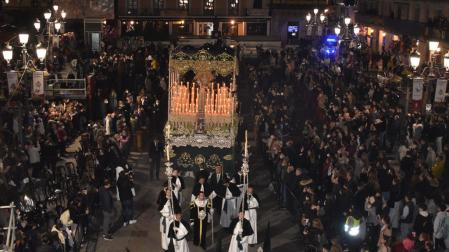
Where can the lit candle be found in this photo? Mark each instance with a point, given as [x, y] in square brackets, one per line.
[167, 152]
[246, 143]
[197, 99]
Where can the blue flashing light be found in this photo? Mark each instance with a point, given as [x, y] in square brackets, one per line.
[331, 40]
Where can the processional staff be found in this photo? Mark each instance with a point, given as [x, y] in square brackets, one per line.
[169, 169]
[245, 173]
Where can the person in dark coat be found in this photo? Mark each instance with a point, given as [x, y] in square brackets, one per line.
[216, 182]
[155, 151]
[423, 221]
[125, 191]
[201, 186]
[107, 206]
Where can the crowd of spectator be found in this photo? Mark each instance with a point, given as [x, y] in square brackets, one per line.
[60, 159]
[345, 154]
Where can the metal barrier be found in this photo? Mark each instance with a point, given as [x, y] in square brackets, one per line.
[11, 229]
[66, 88]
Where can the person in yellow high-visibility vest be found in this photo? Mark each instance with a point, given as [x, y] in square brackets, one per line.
[354, 231]
[352, 226]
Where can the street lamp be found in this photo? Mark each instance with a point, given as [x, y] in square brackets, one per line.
[433, 45]
[7, 53]
[356, 30]
[63, 14]
[347, 21]
[415, 58]
[41, 52]
[308, 17]
[337, 30]
[315, 11]
[55, 7]
[322, 17]
[37, 24]
[23, 38]
[446, 61]
[47, 15]
[57, 26]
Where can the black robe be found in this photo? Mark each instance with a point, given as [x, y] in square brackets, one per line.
[199, 226]
[203, 173]
[214, 182]
[197, 188]
[221, 190]
[183, 185]
[171, 233]
[162, 199]
[247, 229]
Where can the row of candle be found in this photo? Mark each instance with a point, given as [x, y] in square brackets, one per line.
[184, 99]
[219, 100]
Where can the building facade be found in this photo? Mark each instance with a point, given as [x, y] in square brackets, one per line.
[387, 21]
[244, 19]
[165, 18]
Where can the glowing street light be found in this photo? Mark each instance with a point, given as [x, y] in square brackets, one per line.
[322, 17]
[47, 15]
[337, 30]
[41, 52]
[37, 24]
[446, 61]
[433, 45]
[415, 59]
[7, 53]
[23, 38]
[63, 14]
[356, 30]
[347, 21]
[308, 17]
[55, 7]
[57, 26]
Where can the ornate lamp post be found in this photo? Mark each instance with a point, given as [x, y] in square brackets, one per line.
[317, 24]
[54, 24]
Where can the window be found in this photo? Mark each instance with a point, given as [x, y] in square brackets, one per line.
[158, 4]
[183, 4]
[417, 13]
[259, 29]
[209, 7]
[131, 7]
[257, 4]
[233, 7]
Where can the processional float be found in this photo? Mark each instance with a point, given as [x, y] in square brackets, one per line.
[201, 112]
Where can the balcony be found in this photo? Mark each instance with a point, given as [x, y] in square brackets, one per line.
[66, 88]
[258, 12]
[174, 12]
[398, 26]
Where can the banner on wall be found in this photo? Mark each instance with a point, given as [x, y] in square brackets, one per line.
[418, 87]
[12, 81]
[38, 83]
[440, 90]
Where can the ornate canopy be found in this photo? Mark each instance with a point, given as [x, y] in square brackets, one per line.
[203, 61]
